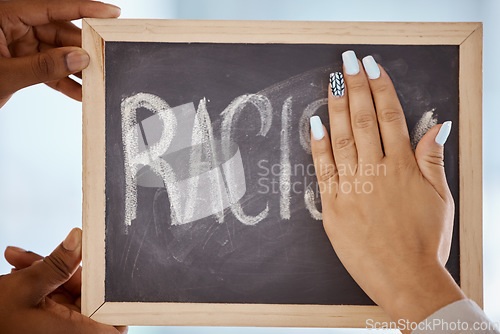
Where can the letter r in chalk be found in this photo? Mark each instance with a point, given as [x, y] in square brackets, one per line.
[174, 149]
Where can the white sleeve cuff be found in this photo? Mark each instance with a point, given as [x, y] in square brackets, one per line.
[461, 317]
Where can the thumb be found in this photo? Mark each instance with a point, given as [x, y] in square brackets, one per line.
[49, 65]
[430, 157]
[48, 274]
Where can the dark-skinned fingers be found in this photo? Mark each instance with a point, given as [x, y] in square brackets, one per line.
[73, 307]
[74, 285]
[391, 119]
[45, 46]
[324, 164]
[24, 46]
[363, 117]
[59, 34]
[342, 139]
[36, 13]
[4, 47]
[29, 46]
[47, 275]
[19, 258]
[68, 87]
[63, 299]
[50, 65]
[60, 319]
[78, 302]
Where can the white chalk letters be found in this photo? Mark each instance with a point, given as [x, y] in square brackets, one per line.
[175, 149]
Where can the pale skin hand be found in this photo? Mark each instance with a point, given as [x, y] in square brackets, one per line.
[395, 240]
[42, 295]
[39, 44]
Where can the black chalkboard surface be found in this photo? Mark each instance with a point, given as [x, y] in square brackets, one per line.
[243, 225]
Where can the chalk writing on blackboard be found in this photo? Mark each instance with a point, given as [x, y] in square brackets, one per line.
[211, 192]
[158, 149]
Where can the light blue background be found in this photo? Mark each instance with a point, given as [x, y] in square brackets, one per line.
[40, 130]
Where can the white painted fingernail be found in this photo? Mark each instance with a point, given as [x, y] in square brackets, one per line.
[443, 133]
[317, 128]
[350, 62]
[371, 67]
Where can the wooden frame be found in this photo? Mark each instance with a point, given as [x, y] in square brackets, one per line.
[468, 36]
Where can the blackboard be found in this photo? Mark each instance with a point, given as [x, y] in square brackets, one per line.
[223, 257]
[210, 196]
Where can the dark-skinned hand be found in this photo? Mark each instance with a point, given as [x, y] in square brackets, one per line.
[39, 44]
[42, 295]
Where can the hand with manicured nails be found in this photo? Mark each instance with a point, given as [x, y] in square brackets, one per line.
[42, 295]
[39, 44]
[388, 212]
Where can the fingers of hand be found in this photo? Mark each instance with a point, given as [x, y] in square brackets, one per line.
[19, 258]
[35, 13]
[68, 87]
[362, 111]
[74, 285]
[56, 269]
[47, 36]
[391, 119]
[342, 141]
[430, 159]
[324, 164]
[61, 320]
[25, 45]
[50, 65]
[64, 298]
[359, 102]
[59, 34]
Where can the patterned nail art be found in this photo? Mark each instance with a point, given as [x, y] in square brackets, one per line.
[337, 83]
